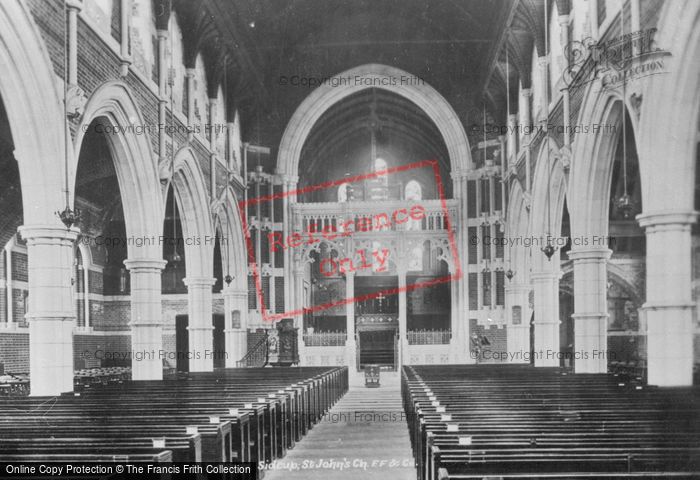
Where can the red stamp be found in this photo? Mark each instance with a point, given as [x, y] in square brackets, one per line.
[365, 237]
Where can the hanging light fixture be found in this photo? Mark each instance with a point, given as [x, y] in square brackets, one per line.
[174, 258]
[548, 249]
[624, 204]
[68, 216]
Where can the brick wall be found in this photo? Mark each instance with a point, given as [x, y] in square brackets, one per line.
[497, 339]
[14, 351]
[90, 351]
[19, 267]
[110, 315]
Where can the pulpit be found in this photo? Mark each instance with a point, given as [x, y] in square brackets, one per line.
[287, 350]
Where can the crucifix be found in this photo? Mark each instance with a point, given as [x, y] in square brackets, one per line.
[381, 299]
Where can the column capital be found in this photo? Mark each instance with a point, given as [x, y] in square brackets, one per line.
[190, 72]
[35, 234]
[543, 60]
[199, 281]
[139, 264]
[518, 288]
[564, 19]
[543, 276]
[667, 218]
[74, 5]
[589, 253]
[526, 92]
[162, 34]
[459, 174]
[289, 179]
[233, 292]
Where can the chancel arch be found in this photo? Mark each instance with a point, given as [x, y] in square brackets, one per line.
[325, 96]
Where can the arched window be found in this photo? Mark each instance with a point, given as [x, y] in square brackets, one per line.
[378, 186]
[413, 191]
[379, 164]
[343, 193]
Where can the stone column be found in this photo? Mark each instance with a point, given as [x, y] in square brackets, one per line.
[189, 85]
[236, 331]
[146, 317]
[512, 139]
[403, 317]
[199, 298]
[518, 334]
[669, 303]
[298, 269]
[212, 147]
[460, 323]
[162, 92]
[566, 101]
[350, 343]
[525, 114]
[455, 327]
[124, 52]
[74, 7]
[51, 310]
[590, 308]
[543, 64]
[546, 286]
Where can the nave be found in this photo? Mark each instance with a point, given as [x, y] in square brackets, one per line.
[236, 415]
[433, 422]
[364, 435]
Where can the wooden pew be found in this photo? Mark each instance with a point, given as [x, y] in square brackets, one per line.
[476, 421]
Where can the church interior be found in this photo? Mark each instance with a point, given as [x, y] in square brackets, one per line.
[351, 238]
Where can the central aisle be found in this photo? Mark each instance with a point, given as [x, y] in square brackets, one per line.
[363, 436]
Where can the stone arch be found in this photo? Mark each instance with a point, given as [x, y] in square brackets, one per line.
[29, 91]
[548, 176]
[116, 112]
[669, 114]
[234, 251]
[197, 225]
[374, 76]
[593, 161]
[518, 225]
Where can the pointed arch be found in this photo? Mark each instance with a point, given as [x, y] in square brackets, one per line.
[197, 224]
[30, 94]
[374, 76]
[593, 161]
[115, 112]
[233, 251]
[518, 228]
[548, 196]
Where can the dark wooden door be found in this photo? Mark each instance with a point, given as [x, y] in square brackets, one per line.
[219, 341]
[182, 343]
